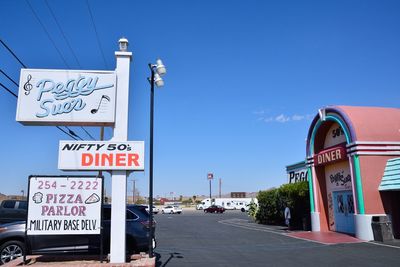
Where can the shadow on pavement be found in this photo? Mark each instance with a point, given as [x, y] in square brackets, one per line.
[172, 255]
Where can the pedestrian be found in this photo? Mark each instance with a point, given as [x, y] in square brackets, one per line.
[287, 216]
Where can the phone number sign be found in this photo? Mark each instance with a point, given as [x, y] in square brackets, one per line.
[64, 205]
[101, 155]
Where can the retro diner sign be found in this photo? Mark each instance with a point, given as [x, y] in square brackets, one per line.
[101, 155]
[66, 97]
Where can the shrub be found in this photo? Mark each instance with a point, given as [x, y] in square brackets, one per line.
[272, 204]
[253, 208]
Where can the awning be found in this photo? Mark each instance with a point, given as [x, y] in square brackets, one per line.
[391, 176]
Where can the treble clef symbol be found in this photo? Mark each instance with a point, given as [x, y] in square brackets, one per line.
[28, 86]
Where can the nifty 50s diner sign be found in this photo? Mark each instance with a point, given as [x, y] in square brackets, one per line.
[66, 97]
[101, 155]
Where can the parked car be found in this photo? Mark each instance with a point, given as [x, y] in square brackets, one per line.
[13, 210]
[12, 244]
[171, 209]
[215, 209]
[155, 209]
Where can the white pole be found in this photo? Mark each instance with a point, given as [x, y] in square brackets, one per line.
[118, 178]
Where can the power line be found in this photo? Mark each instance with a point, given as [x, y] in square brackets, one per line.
[62, 33]
[12, 53]
[97, 35]
[88, 133]
[8, 90]
[47, 33]
[70, 134]
[58, 127]
[5, 74]
[70, 48]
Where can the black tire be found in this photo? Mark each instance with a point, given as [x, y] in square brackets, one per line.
[242, 209]
[162, 212]
[11, 250]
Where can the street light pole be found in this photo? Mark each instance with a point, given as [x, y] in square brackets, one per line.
[156, 70]
[151, 161]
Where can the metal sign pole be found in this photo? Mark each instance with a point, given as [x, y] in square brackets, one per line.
[118, 178]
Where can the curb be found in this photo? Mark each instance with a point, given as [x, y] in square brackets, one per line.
[136, 260]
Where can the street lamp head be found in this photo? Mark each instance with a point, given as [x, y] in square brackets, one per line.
[160, 68]
[158, 80]
[123, 44]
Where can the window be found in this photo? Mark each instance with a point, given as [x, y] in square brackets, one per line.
[9, 204]
[130, 215]
[107, 214]
[23, 205]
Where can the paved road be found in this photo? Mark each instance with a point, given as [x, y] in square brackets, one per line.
[229, 239]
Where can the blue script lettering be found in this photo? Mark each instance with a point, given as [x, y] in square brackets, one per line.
[60, 108]
[72, 88]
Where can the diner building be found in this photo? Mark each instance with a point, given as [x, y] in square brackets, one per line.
[353, 169]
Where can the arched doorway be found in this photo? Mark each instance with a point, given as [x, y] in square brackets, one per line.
[334, 177]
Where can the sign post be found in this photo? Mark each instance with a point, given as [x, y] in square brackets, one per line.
[94, 98]
[118, 177]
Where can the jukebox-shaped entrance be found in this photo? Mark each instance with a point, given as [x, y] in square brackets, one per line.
[352, 156]
[334, 177]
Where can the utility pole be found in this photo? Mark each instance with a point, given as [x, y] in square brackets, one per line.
[220, 183]
[210, 176]
[134, 189]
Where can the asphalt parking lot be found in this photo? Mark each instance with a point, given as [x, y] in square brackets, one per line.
[231, 239]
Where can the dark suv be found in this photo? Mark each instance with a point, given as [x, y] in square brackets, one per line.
[12, 235]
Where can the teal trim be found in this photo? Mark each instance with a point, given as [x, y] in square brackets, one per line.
[360, 196]
[311, 191]
[334, 118]
[357, 173]
[391, 176]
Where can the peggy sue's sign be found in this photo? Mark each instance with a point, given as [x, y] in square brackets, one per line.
[66, 97]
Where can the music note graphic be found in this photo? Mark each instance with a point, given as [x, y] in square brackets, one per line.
[28, 86]
[94, 111]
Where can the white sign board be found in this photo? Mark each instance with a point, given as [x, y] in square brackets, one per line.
[101, 155]
[64, 205]
[66, 97]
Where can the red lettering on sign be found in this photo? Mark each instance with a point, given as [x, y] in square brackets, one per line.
[87, 159]
[120, 159]
[330, 156]
[133, 159]
[105, 157]
[110, 160]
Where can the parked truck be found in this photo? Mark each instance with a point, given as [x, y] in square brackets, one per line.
[228, 203]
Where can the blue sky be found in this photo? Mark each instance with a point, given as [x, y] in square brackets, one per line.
[244, 80]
